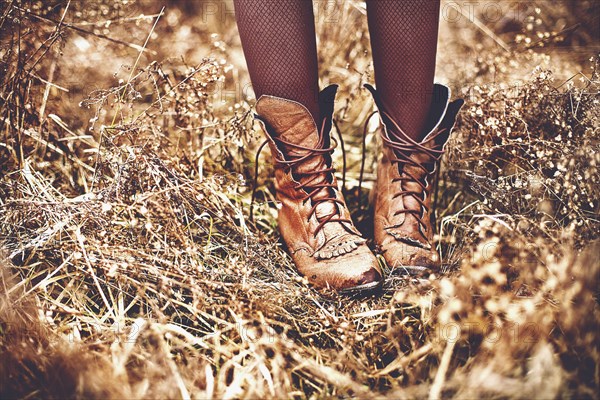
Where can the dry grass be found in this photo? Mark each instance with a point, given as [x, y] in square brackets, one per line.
[132, 269]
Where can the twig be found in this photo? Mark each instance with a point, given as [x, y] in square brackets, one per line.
[440, 377]
[48, 82]
[47, 93]
[569, 29]
[86, 32]
[136, 63]
[495, 219]
[116, 21]
[481, 27]
[81, 240]
[402, 361]
[172, 90]
[333, 376]
[49, 145]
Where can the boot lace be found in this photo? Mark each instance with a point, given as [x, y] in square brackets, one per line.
[404, 147]
[307, 180]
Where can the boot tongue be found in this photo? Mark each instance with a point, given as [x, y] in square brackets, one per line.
[418, 157]
[325, 209]
[423, 159]
[291, 122]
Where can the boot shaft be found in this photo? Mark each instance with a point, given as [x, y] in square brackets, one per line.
[304, 178]
[299, 145]
[405, 180]
[313, 218]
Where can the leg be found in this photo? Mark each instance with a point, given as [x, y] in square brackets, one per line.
[278, 37]
[279, 42]
[404, 42]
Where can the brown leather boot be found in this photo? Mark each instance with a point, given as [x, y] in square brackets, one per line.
[313, 219]
[405, 179]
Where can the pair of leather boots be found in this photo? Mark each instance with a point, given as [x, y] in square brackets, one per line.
[314, 220]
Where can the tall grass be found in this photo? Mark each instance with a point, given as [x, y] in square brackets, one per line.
[132, 270]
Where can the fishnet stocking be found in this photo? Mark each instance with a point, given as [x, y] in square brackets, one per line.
[278, 38]
[404, 43]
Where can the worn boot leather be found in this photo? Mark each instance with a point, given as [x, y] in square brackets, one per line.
[406, 177]
[313, 219]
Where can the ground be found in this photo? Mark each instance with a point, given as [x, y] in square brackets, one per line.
[133, 268]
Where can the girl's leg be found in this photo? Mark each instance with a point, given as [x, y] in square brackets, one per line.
[404, 42]
[278, 38]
